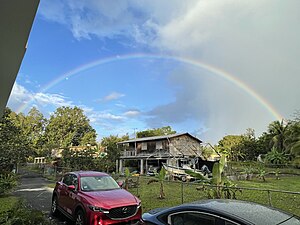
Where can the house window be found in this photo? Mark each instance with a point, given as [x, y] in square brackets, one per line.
[159, 145]
[144, 145]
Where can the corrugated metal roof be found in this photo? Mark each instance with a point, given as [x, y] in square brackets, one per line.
[157, 138]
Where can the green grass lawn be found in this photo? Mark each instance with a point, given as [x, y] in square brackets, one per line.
[176, 192]
[7, 203]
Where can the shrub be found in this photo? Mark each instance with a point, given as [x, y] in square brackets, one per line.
[248, 170]
[275, 157]
[7, 182]
[21, 215]
[296, 162]
[261, 173]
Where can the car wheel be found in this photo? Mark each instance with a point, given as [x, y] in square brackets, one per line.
[80, 218]
[183, 178]
[54, 210]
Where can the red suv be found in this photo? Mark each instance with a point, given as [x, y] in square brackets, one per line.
[90, 197]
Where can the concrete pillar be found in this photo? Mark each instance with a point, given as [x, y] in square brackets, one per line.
[142, 166]
[117, 165]
[120, 166]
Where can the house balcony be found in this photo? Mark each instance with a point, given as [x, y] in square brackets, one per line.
[129, 153]
[145, 154]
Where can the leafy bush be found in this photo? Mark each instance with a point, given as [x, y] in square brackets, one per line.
[248, 170]
[296, 162]
[20, 215]
[7, 182]
[275, 157]
[261, 173]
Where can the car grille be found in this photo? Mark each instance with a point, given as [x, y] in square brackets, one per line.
[122, 212]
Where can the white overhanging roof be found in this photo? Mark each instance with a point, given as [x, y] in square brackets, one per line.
[16, 18]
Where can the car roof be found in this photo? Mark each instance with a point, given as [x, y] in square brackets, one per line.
[88, 173]
[241, 210]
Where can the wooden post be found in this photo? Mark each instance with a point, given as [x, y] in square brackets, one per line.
[270, 199]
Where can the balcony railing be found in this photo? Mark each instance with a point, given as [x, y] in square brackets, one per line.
[145, 153]
[129, 153]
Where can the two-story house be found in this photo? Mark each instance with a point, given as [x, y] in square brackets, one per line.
[172, 149]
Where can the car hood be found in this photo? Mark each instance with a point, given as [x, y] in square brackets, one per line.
[111, 198]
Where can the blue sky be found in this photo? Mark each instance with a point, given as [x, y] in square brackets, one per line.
[255, 42]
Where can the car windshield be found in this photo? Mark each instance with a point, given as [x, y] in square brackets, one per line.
[98, 183]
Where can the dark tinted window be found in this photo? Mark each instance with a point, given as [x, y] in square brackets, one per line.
[69, 179]
[74, 181]
[191, 218]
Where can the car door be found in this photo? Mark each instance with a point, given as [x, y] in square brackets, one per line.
[70, 197]
[63, 191]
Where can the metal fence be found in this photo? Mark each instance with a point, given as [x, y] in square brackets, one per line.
[183, 192]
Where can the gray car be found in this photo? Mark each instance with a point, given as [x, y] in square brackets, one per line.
[219, 212]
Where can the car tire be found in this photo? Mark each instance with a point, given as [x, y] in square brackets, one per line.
[183, 179]
[80, 218]
[54, 210]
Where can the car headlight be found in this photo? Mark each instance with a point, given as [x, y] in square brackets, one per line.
[139, 205]
[98, 209]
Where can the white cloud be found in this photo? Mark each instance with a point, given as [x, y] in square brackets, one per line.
[56, 100]
[104, 118]
[132, 113]
[109, 19]
[19, 95]
[109, 116]
[113, 96]
[21, 98]
[210, 104]
[257, 41]
[47, 103]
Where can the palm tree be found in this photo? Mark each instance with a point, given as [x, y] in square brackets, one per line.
[293, 138]
[278, 131]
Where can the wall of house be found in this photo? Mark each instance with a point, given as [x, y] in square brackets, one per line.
[184, 145]
[151, 147]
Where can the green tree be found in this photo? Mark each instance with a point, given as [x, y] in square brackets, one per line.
[112, 149]
[278, 131]
[80, 159]
[293, 138]
[231, 145]
[32, 126]
[14, 146]
[264, 143]
[155, 132]
[35, 124]
[250, 146]
[69, 127]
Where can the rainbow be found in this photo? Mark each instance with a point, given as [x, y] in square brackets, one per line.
[214, 70]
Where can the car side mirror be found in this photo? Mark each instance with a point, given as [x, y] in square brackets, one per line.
[120, 183]
[71, 187]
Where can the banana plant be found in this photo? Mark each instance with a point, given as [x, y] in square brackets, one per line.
[221, 186]
[128, 179]
[160, 177]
